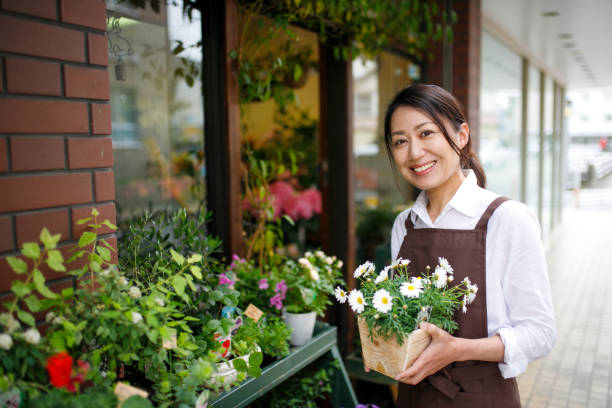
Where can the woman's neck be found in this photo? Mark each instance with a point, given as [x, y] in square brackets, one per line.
[441, 195]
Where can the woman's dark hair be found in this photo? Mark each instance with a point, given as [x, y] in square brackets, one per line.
[439, 105]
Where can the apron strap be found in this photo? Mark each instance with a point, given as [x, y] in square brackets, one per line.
[408, 222]
[448, 379]
[484, 220]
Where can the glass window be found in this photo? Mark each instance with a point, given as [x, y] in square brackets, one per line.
[547, 151]
[379, 193]
[533, 139]
[156, 106]
[500, 117]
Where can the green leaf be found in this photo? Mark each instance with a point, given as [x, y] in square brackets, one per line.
[239, 364]
[39, 282]
[104, 253]
[68, 292]
[255, 359]
[55, 260]
[50, 241]
[83, 220]
[194, 258]
[33, 303]
[213, 324]
[179, 283]
[17, 265]
[233, 54]
[196, 271]
[136, 401]
[87, 238]
[254, 372]
[20, 289]
[109, 224]
[178, 258]
[31, 250]
[95, 212]
[26, 317]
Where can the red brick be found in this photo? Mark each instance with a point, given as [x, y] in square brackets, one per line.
[107, 212]
[38, 8]
[101, 119]
[37, 116]
[39, 39]
[6, 234]
[33, 192]
[32, 77]
[104, 186]
[29, 225]
[97, 49]
[3, 156]
[88, 13]
[87, 153]
[37, 153]
[90, 83]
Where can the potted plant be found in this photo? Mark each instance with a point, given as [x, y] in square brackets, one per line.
[391, 305]
[309, 281]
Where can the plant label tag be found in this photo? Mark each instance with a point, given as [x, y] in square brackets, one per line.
[169, 343]
[253, 312]
[124, 391]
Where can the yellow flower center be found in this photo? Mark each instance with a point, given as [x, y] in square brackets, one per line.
[342, 293]
[410, 287]
[360, 301]
[385, 300]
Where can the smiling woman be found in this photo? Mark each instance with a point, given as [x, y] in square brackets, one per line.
[494, 239]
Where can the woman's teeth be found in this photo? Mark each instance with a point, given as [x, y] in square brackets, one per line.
[424, 167]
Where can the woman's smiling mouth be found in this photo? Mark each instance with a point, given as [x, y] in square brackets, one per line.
[423, 169]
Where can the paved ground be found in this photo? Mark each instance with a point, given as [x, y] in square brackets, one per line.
[578, 373]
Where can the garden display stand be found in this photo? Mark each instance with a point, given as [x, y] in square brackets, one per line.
[323, 346]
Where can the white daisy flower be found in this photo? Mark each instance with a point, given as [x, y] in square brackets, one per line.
[472, 290]
[383, 276]
[364, 269]
[400, 262]
[340, 294]
[409, 289]
[314, 274]
[6, 341]
[339, 264]
[440, 277]
[134, 292]
[319, 254]
[356, 301]
[382, 301]
[32, 336]
[463, 305]
[136, 317]
[443, 262]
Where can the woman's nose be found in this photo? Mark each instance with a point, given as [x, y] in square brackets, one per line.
[415, 150]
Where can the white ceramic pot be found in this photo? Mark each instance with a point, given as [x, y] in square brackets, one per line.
[302, 325]
[226, 373]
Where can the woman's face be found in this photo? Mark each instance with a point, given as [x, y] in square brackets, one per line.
[421, 152]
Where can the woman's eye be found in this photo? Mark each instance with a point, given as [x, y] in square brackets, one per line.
[426, 133]
[399, 142]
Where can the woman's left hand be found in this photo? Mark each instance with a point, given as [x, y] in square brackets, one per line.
[440, 353]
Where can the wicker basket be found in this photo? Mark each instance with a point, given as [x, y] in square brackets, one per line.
[387, 356]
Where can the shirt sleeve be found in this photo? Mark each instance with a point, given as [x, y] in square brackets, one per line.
[530, 331]
[398, 232]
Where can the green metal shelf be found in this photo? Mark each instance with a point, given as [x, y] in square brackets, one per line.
[323, 345]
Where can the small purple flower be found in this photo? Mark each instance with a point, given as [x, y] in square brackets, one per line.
[224, 280]
[236, 260]
[281, 288]
[277, 301]
[263, 283]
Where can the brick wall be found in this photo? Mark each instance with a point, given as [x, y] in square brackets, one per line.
[56, 154]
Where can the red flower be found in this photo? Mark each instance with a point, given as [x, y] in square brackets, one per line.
[59, 368]
[61, 373]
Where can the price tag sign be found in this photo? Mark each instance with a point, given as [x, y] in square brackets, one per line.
[253, 312]
[124, 391]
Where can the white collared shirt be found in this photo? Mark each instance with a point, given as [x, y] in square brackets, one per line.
[519, 302]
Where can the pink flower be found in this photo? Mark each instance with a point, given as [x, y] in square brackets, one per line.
[235, 261]
[304, 205]
[281, 288]
[282, 191]
[313, 197]
[224, 280]
[263, 283]
[277, 301]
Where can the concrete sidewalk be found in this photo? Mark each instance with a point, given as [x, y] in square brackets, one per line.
[578, 372]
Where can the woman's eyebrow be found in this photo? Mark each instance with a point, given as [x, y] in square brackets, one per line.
[417, 127]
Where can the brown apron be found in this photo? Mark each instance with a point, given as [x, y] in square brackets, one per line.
[465, 383]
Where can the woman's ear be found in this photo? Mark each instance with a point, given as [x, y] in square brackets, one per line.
[463, 135]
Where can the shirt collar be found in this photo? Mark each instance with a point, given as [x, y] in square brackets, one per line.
[463, 201]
